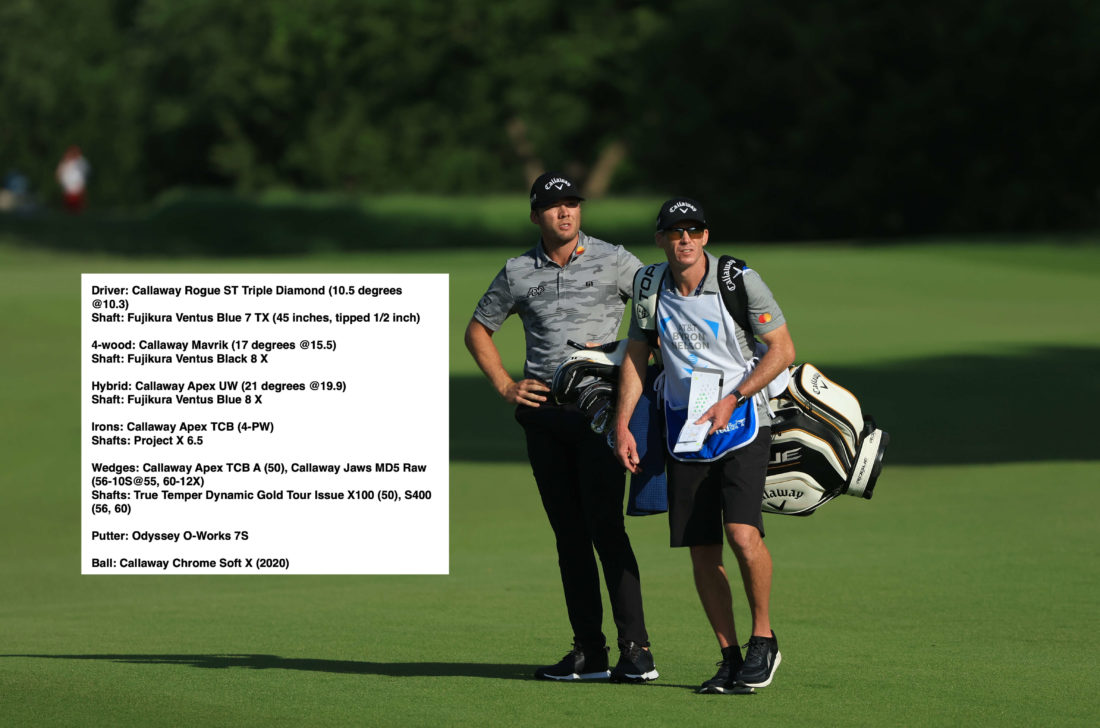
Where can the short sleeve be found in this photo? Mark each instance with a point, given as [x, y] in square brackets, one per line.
[496, 304]
[628, 265]
[764, 313]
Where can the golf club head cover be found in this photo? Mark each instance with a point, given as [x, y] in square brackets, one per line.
[573, 373]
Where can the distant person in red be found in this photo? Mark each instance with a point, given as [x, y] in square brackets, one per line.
[72, 174]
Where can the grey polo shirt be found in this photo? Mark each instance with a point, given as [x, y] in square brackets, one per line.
[582, 301]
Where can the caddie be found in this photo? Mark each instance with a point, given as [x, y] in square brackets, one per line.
[570, 287]
[716, 489]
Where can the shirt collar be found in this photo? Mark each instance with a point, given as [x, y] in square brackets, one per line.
[709, 284]
[542, 259]
[710, 280]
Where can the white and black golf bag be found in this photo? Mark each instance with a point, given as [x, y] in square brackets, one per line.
[822, 446]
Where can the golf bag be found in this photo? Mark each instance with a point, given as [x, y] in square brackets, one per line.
[822, 443]
[589, 377]
[822, 446]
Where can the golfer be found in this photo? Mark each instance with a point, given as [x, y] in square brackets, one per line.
[570, 287]
[717, 491]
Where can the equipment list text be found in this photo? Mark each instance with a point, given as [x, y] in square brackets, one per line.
[264, 424]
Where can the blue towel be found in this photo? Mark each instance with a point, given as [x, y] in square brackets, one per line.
[648, 488]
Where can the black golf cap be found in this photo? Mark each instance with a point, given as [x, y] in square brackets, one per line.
[678, 209]
[551, 187]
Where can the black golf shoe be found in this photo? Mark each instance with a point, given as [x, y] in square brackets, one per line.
[635, 665]
[579, 664]
[722, 682]
[761, 659]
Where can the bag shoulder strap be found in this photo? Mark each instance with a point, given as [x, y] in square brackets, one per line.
[647, 281]
[734, 296]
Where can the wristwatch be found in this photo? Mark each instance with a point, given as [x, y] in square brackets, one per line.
[741, 399]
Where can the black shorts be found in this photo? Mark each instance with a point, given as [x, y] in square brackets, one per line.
[704, 496]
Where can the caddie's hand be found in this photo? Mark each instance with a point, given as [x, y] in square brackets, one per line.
[626, 449]
[718, 414]
[526, 392]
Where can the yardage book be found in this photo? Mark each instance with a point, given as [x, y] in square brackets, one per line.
[706, 388]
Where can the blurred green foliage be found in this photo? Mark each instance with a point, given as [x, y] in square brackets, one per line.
[278, 222]
[790, 119]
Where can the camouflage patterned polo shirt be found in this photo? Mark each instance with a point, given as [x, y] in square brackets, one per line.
[582, 301]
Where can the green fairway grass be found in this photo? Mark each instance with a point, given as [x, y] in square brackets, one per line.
[964, 593]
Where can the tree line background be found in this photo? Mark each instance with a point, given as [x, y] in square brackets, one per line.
[790, 119]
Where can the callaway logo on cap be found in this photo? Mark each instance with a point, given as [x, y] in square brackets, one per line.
[551, 187]
[680, 208]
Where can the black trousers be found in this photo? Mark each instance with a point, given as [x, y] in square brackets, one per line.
[582, 487]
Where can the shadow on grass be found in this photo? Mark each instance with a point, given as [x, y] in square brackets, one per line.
[343, 667]
[952, 410]
[339, 667]
[483, 426]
